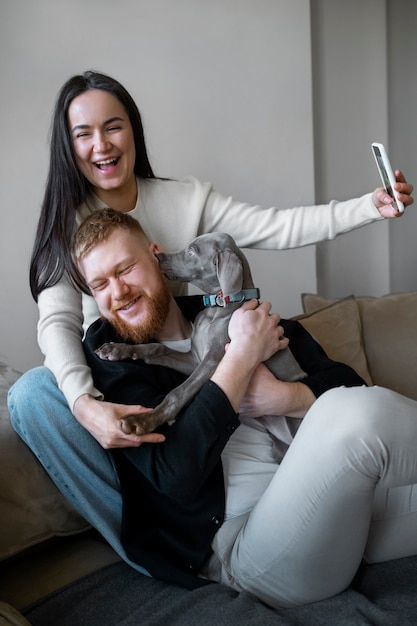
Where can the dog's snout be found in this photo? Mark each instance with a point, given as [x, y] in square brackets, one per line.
[163, 260]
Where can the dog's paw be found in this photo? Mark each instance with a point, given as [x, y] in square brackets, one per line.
[116, 351]
[142, 424]
[130, 425]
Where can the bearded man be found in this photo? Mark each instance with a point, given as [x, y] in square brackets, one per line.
[198, 502]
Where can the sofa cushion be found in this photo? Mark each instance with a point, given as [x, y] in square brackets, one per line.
[389, 336]
[337, 327]
[32, 508]
[313, 302]
[389, 325]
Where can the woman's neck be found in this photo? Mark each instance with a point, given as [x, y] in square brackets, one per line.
[121, 199]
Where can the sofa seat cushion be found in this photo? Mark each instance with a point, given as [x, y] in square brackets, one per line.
[389, 336]
[33, 509]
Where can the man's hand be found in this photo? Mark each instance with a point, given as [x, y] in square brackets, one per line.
[383, 201]
[267, 395]
[102, 420]
[254, 332]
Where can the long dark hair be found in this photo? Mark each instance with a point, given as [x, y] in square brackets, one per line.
[66, 188]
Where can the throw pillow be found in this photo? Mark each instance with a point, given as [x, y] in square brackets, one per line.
[389, 326]
[337, 327]
[312, 302]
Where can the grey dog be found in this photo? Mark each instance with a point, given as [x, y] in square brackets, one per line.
[217, 266]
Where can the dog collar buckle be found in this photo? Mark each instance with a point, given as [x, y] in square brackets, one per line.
[218, 299]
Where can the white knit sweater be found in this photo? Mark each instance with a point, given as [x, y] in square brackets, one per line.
[172, 213]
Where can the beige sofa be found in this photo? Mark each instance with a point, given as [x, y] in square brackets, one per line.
[45, 544]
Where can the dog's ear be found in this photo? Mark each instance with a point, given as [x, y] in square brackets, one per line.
[229, 272]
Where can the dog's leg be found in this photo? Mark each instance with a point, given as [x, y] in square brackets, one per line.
[285, 367]
[282, 430]
[173, 402]
[153, 353]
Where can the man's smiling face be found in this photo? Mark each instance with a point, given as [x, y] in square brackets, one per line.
[123, 275]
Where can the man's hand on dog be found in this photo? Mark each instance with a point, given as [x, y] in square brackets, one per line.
[249, 325]
[102, 420]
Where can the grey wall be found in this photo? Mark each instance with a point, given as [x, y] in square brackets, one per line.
[402, 97]
[365, 89]
[226, 93]
[351, 111]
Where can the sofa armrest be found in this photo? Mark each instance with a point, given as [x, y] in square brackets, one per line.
[33, 510]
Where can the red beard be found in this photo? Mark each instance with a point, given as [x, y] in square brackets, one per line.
[157, 309]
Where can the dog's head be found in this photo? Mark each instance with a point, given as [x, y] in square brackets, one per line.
[212, 262]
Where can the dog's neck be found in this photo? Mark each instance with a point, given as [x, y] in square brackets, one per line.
[221, 299]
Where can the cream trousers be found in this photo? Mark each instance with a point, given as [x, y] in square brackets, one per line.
[345, 491]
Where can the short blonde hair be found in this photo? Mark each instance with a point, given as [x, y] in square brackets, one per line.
[97, 227]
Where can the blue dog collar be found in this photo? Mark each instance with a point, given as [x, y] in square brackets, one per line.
[218, 299]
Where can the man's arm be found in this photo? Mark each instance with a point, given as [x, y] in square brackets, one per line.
[322, 372]
[266, 395]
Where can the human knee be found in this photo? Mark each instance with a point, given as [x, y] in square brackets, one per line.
[26, 394]
[353, 411]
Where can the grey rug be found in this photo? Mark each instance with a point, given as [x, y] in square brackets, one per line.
[381, 595]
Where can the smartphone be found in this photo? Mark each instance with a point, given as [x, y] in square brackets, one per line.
[386, 173]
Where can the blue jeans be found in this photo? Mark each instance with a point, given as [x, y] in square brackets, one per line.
[81, 469]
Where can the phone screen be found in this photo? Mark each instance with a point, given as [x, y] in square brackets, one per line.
[383, 171]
